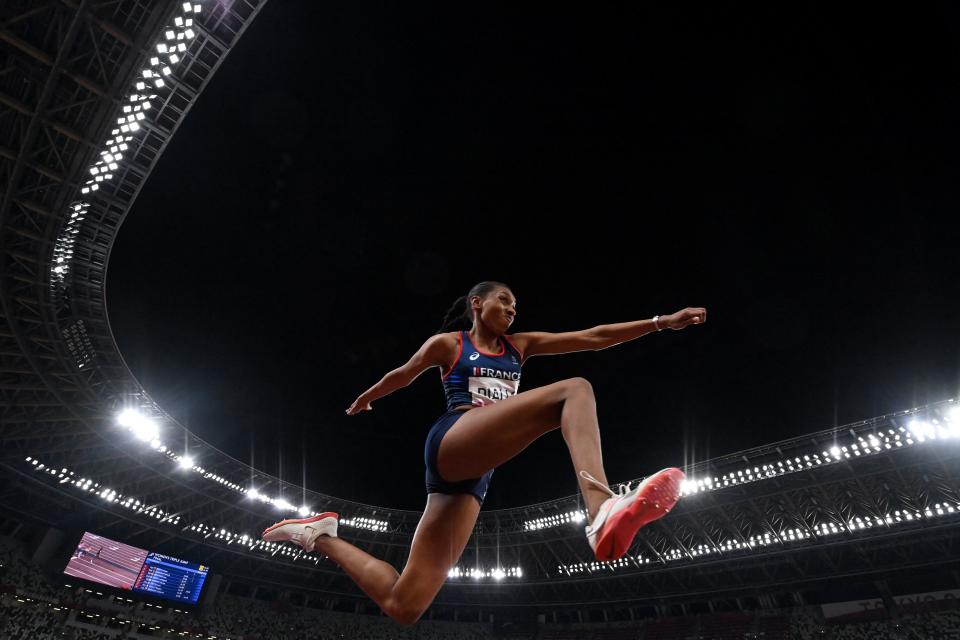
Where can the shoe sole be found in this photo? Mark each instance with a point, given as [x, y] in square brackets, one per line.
[326, 514]
[656, 497]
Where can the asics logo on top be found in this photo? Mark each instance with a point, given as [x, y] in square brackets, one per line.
[474, 355]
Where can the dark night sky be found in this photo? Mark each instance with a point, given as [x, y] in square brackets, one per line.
[352, 168]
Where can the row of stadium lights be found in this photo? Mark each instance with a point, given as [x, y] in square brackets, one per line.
[170, 50]
[918, 431]
[555, 520]
[173, 46]
[253, 544]
[477, 573]
[65, 476]
[822, 530]
[63, 247]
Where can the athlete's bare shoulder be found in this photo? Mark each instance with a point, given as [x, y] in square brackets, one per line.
[447, 348]
[450, 340]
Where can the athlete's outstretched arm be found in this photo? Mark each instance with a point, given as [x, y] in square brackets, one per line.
[435, 352]
[540, 343]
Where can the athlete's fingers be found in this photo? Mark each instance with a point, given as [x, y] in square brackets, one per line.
[354, 409]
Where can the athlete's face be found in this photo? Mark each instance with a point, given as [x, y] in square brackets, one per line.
[497, 310]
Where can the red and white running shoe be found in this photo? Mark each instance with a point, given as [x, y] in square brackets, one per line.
[620, 516]
[303, 531]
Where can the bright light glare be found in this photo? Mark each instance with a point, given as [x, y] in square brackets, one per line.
[141, 426]
[127, 418]
[186, 462]
[923, 430]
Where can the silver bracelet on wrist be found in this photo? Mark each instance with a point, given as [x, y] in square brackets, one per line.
[655, 323]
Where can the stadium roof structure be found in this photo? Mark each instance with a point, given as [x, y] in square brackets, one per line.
[91, 96]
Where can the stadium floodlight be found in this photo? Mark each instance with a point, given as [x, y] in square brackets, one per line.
[953, 428]
[498, 574]
[923, 430]
[304, 511]
[186, 462]
[141, 426]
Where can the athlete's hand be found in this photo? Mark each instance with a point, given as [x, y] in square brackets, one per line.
[685, 318]
[360, 404]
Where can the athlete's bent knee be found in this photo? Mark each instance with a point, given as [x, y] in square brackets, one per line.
[579, 385]
[403, 613]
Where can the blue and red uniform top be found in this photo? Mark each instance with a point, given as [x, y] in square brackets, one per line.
[480, 378]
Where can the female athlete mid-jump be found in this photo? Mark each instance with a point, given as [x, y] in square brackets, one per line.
[487, 423]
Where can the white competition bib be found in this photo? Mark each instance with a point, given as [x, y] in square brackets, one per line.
[489, 390]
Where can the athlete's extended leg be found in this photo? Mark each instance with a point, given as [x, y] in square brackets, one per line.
[444, 529]
[487, 437]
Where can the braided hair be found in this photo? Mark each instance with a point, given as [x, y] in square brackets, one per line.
[460, 315]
